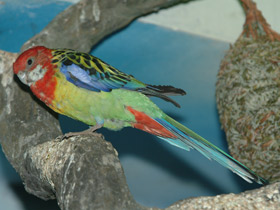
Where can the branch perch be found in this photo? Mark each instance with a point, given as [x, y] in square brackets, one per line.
[84, 24]
[81, 172]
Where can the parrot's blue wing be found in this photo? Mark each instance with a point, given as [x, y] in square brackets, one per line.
[98, 76]
[84, 79]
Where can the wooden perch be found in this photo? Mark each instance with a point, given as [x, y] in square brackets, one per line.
[81, 172]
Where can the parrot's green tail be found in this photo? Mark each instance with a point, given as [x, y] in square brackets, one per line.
[187, 139]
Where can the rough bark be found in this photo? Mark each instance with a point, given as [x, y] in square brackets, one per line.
[81, 172]
[265, 198]
[82, 25]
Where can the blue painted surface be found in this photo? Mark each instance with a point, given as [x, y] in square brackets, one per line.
[21, 21]
[158, 174]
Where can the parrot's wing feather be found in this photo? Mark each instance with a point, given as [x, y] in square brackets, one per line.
[91, 73]
[98, 81]
[83, 79]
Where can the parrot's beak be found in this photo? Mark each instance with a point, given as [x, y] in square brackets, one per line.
[22, 77]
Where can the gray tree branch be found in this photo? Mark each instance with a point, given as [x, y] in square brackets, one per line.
[264, 198]
[84, 24]
[81, 172]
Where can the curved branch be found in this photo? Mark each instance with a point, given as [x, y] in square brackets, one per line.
[84, 24]
[263, 198]
[82, 172]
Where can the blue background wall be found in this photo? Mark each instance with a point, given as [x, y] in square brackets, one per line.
[157, 173]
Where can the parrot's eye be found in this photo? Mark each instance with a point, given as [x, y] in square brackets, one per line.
[29, 62]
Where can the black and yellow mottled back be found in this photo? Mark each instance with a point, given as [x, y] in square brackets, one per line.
[90, 63]
[89, 72]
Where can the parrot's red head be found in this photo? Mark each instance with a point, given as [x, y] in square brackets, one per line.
[35, 69]
[32, 64]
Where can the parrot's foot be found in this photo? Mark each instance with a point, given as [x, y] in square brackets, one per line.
[90, 131]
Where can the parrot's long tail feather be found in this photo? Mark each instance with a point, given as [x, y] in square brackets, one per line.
[178, 135]
[186, 139]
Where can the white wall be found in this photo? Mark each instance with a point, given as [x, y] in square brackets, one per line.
[217, 19]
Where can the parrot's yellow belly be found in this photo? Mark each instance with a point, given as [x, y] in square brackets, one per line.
[90, 107]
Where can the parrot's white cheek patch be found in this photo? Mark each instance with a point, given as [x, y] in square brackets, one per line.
[36, 74]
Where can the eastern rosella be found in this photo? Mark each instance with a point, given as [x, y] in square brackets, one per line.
[85, 88]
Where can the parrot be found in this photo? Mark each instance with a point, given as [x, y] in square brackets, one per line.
[85, 88]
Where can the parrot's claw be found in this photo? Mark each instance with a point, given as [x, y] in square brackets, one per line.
[90, 131]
